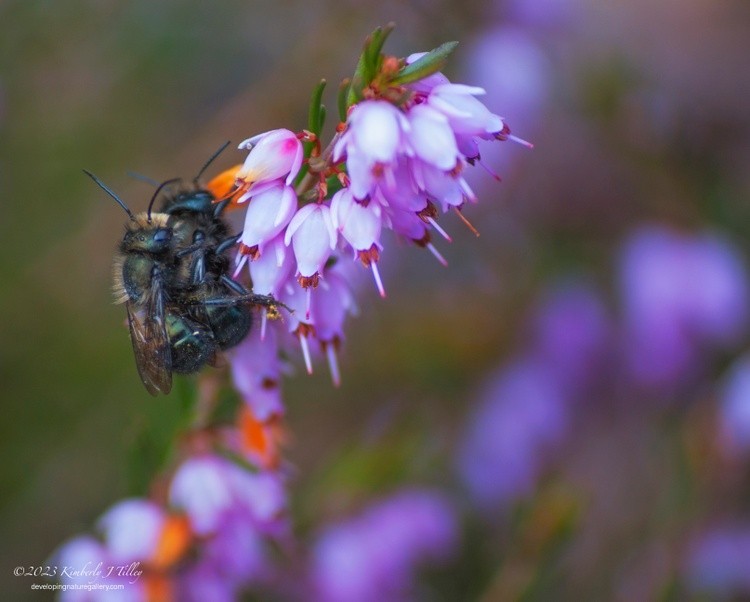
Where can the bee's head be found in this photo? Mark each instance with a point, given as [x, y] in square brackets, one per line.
[144, 235]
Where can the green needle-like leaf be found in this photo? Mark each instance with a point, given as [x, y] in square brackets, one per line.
[314, 122]
[430, 63]
[341, 100]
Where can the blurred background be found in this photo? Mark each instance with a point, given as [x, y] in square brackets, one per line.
[574, 381]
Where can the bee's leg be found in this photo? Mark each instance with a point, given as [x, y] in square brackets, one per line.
[264, 300]
[251, 299]
[234, 285]
[220, 206]
[189, 249]
[228, 243]
[246, 298]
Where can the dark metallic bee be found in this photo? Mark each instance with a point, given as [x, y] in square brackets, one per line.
[172, 275]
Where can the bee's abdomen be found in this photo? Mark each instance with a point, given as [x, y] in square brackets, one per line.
[230, 324]
[192, 345]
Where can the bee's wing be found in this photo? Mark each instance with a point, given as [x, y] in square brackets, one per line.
[148, 333]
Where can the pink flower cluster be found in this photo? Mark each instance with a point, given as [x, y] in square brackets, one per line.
[398, 163]
[208, 541]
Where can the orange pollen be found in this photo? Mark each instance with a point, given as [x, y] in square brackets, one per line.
[269, 383]
[260, 439]
[174, 541]
[158, 588]
[378, 170]
[222, 186]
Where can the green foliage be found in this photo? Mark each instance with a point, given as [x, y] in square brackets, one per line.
[368, 64]
[156, 436]
[426, 65]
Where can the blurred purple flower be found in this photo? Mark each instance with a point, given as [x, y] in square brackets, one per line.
[517, 77]
[375, 556]
[132, 529]
[521, 417]
[734, 413]
[680, 292]
[235, 557]
[209, 488]
[571, 333]
[543, 13]
[256, 373]
[718, 561]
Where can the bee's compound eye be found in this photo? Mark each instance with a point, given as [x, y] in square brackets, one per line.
[162, 235]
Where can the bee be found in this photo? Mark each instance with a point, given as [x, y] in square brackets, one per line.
[171, 272]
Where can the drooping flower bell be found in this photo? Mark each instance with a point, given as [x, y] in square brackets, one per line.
[273, 156]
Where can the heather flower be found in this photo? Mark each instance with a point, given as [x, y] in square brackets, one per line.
[273, 155]
[233, 558]
[668, 318]
[449, 189]
[375, 555]
[267, 214]
[256, 373]
[516, 72]
[209, 487]
[467, 116]
[571, 333]
[272, 270]
[299, 322]
[520, 419]
[312, 236]
[718, 562]
[376, 133]
[331, 303]
[432, 138]
[132, 529]
[358, 222]
[734, 411]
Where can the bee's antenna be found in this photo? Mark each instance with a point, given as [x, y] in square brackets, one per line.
[211, 160]
[104, 187]
[156, 194]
